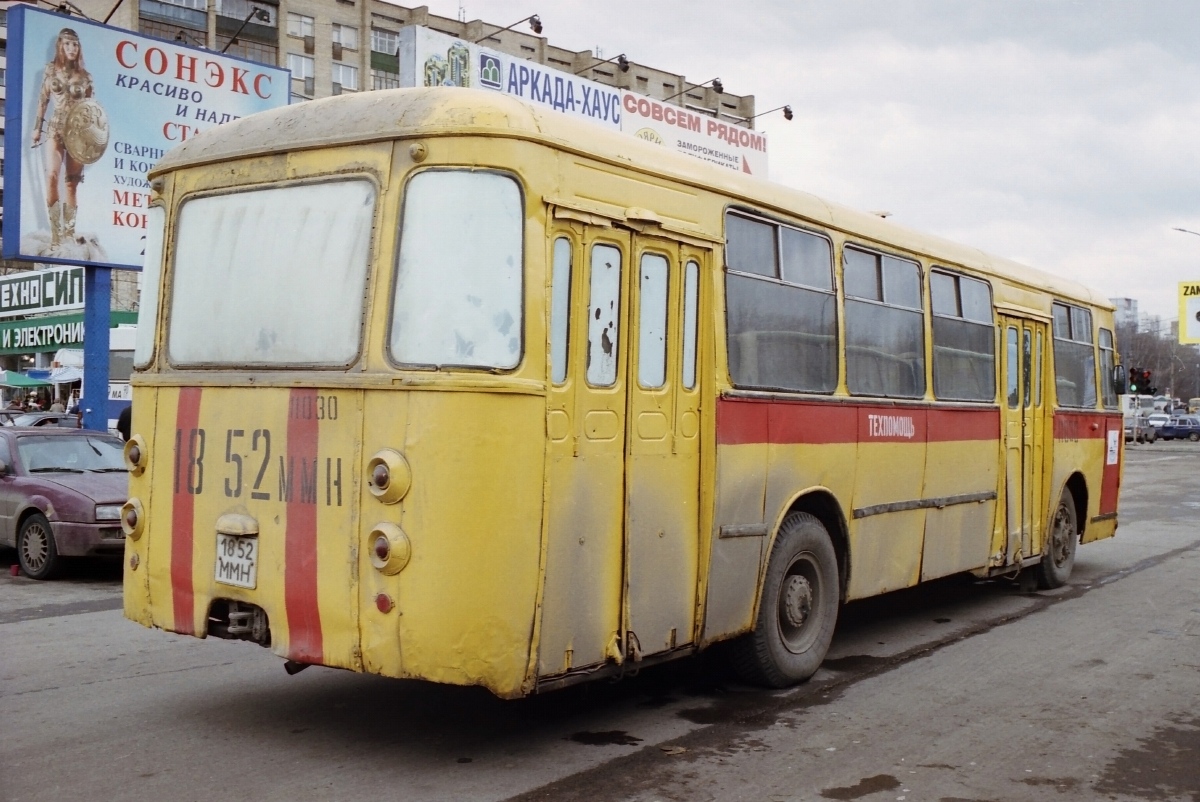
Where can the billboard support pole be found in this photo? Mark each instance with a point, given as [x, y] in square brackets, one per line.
[97, 289]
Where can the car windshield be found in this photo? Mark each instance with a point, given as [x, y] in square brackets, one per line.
[35, 418]
[96, 453]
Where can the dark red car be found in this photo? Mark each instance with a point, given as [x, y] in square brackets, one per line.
[61, 492]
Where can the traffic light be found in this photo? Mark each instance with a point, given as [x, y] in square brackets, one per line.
[1139, 382]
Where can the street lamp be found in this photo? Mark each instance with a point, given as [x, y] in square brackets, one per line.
[622, 64]
[185, 37]
[787, 113]
[716, 84]
[534, 22]
[255, 13]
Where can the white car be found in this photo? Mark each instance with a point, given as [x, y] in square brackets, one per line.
[1158, 420]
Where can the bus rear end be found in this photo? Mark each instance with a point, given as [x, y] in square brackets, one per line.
[312, 414]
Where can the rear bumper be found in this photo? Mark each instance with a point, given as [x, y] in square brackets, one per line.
[82, 540]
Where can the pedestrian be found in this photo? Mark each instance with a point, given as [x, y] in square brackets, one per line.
[74, 408]
[124, 422]
[57, 406]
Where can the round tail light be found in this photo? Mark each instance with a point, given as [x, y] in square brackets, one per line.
[388, 476]
[390, 549]
[133, 519]
[136, 455]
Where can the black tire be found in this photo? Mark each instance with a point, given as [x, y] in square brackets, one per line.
[1194, 436]
[799, 607]
[1058, 554]
[36, 549]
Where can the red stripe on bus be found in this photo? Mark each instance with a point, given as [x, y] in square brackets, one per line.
[1110, 482]
[1071, 425]
[953, 425]
[305, 643]
[187, 421]
[740, 422]
[746, 421]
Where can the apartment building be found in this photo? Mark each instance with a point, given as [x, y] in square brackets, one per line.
[335, 46]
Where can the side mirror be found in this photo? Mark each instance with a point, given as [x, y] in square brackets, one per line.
[1120, 381]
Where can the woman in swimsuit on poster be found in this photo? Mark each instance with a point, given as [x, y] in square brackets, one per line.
[66, 83]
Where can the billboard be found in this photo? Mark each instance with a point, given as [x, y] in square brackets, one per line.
[431, 58]
[39, 291]
[1189, 312]
[90, 109]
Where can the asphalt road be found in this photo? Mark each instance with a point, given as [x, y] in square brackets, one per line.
[957, 691]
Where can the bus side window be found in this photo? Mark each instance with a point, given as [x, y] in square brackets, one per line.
[1027, 364]
[560, 310]
[603, 314]
[885, 325]
[1040, 368]
[964, 338]
[691, 279]
[652, 321]
[1011, 369]
[1074, 356]
[1108, 359]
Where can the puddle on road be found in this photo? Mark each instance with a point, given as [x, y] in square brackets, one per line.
[610, 738]
[865, 786]
[854, 662]
[1163, 766]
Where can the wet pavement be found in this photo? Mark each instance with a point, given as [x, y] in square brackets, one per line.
[953, 691]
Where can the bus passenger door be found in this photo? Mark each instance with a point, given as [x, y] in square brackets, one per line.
[1035, 333]
[1024, 430]
[663, 451]
[585, 428]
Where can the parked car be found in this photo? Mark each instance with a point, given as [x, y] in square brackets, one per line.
[1186, 427]
[1158, 419]
[1136, 430]
[61, 492]
[61, 419]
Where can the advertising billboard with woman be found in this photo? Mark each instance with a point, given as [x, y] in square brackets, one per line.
[90, 109]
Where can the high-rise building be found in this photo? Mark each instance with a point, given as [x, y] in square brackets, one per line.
[335, 46]
[1126, 314]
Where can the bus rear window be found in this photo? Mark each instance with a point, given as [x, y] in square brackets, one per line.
[272, 276]
[458, 285]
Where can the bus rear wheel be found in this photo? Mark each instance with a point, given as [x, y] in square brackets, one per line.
[1058, 556]
[799, 607]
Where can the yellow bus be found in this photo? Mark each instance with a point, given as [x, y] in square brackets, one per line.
[434, 384]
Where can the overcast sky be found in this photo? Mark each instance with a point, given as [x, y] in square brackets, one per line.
[1061, 133]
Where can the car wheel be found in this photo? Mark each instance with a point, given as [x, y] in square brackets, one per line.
[1058, 555]
[36, 550]
[1194, 436]
[799, 607]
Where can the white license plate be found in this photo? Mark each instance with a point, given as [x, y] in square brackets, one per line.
[237, 561]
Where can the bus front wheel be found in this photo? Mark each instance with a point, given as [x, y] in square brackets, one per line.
[1058, 555]
[799, 607]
